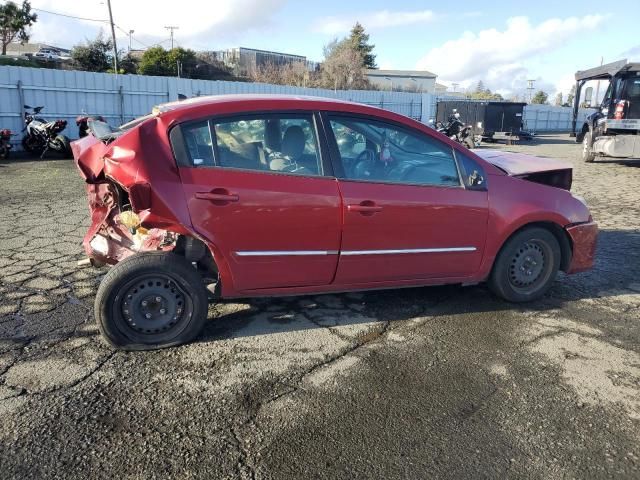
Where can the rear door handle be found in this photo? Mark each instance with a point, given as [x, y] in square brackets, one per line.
[366, 207]
[218, 195]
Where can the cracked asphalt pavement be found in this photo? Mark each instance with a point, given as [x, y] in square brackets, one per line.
[431, 382]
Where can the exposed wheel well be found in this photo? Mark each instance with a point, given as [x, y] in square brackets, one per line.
[566, 249]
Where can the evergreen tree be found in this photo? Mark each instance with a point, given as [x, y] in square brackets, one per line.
[360, 40]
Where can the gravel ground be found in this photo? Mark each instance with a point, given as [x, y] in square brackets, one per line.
[431, 382]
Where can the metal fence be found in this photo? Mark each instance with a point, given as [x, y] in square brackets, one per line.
[120, 98]
[547, 118]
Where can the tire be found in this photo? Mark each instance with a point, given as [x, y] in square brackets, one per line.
[29, 146]
[171, 311]
[63, 144]
[526, 266]
[468, 142]
[4, 152]
[587, 147]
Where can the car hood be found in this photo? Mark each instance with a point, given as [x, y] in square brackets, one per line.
[516, 164]
[546, 171]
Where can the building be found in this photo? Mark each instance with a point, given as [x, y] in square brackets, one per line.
[403, 80]
[18, 49]
[243, 60]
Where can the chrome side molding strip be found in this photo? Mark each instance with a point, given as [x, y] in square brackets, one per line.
[277, 253]
[408, 250]
[283, 253]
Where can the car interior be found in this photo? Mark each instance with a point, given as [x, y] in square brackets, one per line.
[378, 152]
[285, 145]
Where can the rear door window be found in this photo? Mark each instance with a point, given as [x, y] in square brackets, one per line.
[273, 143]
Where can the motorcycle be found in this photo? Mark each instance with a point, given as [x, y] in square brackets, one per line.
[82, 121]
[5, 143]
[456, 130]
[42, 136]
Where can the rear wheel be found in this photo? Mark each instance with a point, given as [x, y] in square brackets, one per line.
[526, 266]
[31, 144]
[151, 300]
[588, 154]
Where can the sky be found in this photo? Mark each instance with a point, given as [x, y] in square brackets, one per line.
[501, 43]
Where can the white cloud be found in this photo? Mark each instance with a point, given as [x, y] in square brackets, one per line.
[200, 22]
[372, 21]
[493, 54]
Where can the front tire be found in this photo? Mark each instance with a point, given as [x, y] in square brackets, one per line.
[526, 266]
[588, 154]
[468, 142]
[63, 145]
[151, 300]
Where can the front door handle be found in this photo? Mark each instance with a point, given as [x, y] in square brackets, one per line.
[366, 207]
[218, 196]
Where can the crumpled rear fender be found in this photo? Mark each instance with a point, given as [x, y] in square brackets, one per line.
[140, 161]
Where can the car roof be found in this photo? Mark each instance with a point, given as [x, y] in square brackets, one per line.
[235, 98]
[198, 107]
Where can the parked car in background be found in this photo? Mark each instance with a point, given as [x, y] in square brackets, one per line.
[243, 196]
[48, 54]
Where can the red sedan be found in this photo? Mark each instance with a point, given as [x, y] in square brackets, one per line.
[243, 196]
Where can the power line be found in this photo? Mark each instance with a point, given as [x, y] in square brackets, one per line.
[69, 16]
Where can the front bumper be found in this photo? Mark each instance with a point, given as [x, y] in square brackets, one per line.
[584, 239]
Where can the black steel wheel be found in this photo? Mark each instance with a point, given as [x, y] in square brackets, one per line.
[151, 300]
[526, 266]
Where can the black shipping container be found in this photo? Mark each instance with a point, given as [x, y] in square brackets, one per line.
[486, 118]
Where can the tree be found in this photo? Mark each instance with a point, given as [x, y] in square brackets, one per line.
[558, 102]
[570, 97]
[94, 56]
[540, 98]
[483, 93]
[343, 66]
[127, 63]
[360, 41]
[179, 61]
[14, 22]
[294, 73]
[155, 61]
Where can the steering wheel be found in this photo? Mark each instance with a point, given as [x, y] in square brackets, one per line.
[364, 164]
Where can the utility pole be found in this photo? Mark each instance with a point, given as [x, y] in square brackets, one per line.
[171, 28]
[131, 32]
[113, 37]
[595, 100]
[530, 88]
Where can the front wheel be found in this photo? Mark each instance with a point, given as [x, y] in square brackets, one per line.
[151, 300]
[588, 155]
[526, 266]
[468, 142]
[61, 144]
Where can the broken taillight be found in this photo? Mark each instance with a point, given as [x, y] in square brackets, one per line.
[619, 112]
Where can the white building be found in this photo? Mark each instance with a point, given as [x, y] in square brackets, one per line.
[403, 80]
